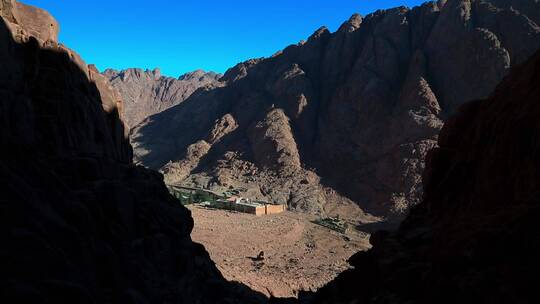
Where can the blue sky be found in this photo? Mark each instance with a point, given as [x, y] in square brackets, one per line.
[183, 35]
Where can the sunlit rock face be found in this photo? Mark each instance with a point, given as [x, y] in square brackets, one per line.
[355, 110]
[147, 92]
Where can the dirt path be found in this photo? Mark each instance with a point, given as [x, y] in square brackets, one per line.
[299, 255]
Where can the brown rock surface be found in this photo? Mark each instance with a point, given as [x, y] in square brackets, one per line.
[363, 104]
[25, 21]
[273, 144]
[148, 92]
[79, 223]
[474, 238]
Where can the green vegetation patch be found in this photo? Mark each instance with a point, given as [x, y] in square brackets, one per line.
[332, 223]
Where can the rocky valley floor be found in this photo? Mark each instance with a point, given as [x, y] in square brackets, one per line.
[299, 255]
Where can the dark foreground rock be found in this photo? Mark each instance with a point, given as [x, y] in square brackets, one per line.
[475, 236]
[79, 223]
[353, 111]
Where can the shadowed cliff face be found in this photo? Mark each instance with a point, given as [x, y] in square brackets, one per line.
[355, 111]
[79, 223]
[474, 238]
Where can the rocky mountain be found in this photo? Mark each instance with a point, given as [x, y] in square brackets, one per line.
[148, 92]
[79, 223]
[348, 115]
[474, 238]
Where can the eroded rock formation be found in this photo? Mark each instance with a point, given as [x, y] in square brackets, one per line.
[474, 237]
[355, 110]
[79, 223]
[148, 92]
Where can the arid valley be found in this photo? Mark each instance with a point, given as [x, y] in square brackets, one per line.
[283, 152]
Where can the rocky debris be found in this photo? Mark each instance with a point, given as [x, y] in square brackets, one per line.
[79, 223]
[474, 237]
[147, 92]
[363, 104]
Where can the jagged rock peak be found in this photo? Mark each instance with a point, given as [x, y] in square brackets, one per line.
[352, 24]
[156, 72]
[441, 3]
[322, 31]
[199, 74]
[147, 92]
[134, 72]
[240, 70]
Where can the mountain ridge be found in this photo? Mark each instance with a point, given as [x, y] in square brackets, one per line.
[362, 106]
[147, 92]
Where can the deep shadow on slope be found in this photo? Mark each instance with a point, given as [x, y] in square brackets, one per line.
[474, 238]
[163, 140]
[79, 223]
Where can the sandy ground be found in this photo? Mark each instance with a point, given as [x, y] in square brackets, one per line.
[299, 255]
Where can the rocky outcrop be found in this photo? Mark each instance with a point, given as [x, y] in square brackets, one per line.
[273, 143]
[148, 92]
[79, 223]
[474, 237]
[25, 21]
[363, 104]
